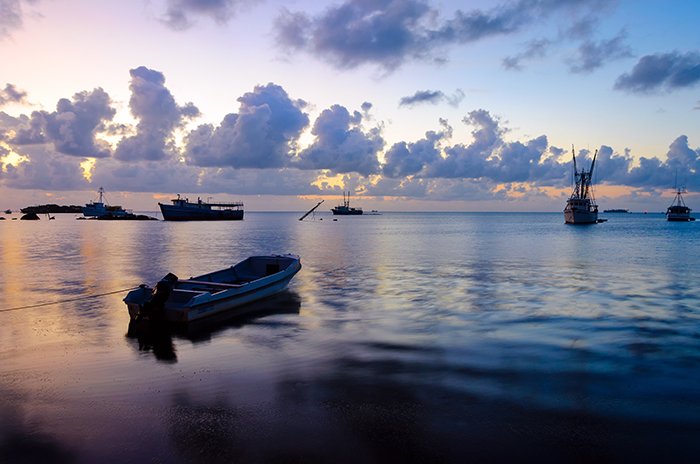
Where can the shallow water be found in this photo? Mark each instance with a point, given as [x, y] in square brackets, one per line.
[411, 337]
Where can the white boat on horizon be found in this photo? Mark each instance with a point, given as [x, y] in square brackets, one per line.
[100, 209]
[581, 207]
[190, 299]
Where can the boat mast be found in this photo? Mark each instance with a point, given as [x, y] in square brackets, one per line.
[577, 176]
[588, 177]
[311, 210]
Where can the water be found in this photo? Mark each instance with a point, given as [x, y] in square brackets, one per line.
[406, 337]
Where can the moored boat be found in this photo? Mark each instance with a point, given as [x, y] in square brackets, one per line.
[345, 209]
[100, 208]
[678, 211]
[191, 299]
[183, 210]
[581, 207]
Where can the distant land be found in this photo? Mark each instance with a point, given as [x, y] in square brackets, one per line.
[51, 208]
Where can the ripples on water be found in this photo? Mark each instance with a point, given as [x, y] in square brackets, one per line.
[405, 337]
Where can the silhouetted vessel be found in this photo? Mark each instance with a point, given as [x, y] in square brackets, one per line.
[100, 209]
[345, 209]
[581, 207]
[619, 210]
[678, 211]
[183, 210]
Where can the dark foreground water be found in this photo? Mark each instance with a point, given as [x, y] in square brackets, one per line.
[405, 338]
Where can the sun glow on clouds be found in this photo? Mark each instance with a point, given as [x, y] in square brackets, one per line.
[325, 181]
[10, 158]
[88, 167]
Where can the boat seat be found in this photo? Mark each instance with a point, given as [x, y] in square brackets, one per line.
[209, 284]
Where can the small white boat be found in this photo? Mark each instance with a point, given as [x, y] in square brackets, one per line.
[190, 299]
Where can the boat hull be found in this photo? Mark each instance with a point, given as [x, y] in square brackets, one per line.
[340, 211]
[175, 213]
[580, 217]
[238, 302]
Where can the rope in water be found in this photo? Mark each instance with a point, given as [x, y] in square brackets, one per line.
[49, 303]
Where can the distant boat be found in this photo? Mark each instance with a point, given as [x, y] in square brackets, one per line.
[183, 210]
[187, 300]
[581, 207]
[345, 209]
[100, 209]
[616, 211]
[374, 212]
[8, 211]
[678, 211]
[30, 217]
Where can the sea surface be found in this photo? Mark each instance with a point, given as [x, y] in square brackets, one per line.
[406, 337]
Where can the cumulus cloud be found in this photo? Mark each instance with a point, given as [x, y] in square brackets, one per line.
[389, 32]
[179, 13]
[432, 96]
[669, 71]
[45, 170]
[73, 127]
[341, 145]
[261, 135]
[407, 159]
[11, 94]
[593, 55]
[159, 115]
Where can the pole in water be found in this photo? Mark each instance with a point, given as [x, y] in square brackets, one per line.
[311, 210]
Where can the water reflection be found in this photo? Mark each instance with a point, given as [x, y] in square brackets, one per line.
[157, 337]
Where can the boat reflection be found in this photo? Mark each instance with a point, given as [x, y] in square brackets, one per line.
[157, 337]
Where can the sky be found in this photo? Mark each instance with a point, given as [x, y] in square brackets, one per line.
[411, 105]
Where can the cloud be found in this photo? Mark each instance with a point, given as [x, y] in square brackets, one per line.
[534, 49]
[73, 127]
[261, 135]
[179, 13]
[11, 94]
[10, 17]
[593, 55]
[341, 145]
[407, 159]
[45, 170]
[388, 33]
[670, 71]
[432, 96]
[153, 104]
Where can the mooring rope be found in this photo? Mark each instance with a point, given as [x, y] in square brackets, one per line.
[49, 303]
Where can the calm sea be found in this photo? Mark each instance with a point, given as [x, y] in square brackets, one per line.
[406, 337]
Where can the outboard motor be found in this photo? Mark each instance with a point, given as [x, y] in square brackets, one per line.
[154, 308]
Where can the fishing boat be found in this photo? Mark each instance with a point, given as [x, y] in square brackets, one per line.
[345, 209]
[581, 207]
[198, 297]
[183, 210]
[678, 211]
[100, 209]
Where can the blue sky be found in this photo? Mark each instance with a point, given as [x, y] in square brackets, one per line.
[412, 104]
